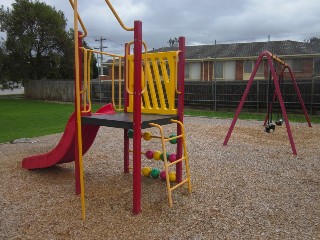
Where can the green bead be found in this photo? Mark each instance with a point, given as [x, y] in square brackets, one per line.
[173, 141]
[155, 172]
[162, 158]
[130, 133]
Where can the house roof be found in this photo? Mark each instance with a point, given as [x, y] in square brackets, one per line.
[245, 50]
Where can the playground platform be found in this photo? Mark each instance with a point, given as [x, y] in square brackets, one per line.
[125, 120]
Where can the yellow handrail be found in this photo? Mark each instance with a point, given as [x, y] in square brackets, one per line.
[177, 57]
[119, 84]
[105, 53]
[117, 17]
[86, 81]
[112, 76]
[85, 33]
[127, 67]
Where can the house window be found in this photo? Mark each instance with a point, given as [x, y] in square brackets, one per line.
[297, 65]
[105, 71]
[218, 70]
[260, 70]
[247, 66]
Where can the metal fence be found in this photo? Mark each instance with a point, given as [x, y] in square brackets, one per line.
[226, 95]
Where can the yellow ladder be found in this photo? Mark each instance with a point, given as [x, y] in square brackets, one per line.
[167, 164]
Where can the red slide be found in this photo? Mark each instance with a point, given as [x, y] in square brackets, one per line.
[65, 150]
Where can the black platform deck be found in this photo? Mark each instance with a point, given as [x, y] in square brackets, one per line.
[125, 120]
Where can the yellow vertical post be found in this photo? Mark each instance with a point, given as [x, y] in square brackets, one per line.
[78, 108]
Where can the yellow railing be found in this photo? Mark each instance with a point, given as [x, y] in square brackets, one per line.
[131, 70]
[86, 90]
[119, 108]
[159, 76]
[117, 60]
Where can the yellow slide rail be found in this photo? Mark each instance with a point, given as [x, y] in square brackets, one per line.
[159, 77]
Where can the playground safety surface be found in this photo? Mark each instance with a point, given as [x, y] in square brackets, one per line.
[253, 188]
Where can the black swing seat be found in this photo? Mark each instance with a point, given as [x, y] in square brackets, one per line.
[279, 122]
[270, 128]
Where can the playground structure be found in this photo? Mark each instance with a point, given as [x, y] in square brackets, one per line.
[152, 83]
[269, 125]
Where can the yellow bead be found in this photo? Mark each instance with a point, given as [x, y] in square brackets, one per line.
[147, 136]
[157, 155]
[146, 171]
[172, 177]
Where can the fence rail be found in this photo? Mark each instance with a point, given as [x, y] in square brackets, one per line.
[215, 95]
[218, 95]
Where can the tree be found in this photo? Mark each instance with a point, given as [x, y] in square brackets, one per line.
[314, 40]
[67, 61]
[173, 42]
[37, 44]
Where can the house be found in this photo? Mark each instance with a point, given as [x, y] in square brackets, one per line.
[235, 61]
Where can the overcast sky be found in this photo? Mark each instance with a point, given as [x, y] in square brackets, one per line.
[201, 21]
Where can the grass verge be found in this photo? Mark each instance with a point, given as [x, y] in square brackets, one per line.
[22, 118]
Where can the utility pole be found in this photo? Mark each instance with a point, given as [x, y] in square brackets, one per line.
[101, 47]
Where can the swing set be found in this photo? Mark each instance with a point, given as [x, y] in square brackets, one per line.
[275, 85]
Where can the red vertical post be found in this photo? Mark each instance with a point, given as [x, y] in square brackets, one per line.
[299, 96]
[243, 99]
[137, 117]
[76, 148]
[126, 142]
[283, 109]
[181, 64]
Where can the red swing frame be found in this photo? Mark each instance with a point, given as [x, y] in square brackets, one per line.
[277, 93]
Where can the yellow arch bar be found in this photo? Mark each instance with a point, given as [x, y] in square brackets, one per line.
[117, 17]
[85, 33]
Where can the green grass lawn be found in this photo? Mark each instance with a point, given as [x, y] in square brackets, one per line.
[22, 118]
[247, 115]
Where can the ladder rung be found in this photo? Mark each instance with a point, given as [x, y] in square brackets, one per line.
[179, 184]
[176, 161]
